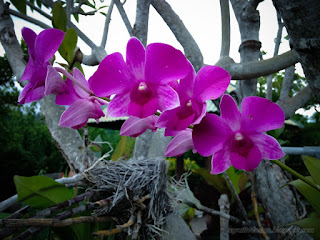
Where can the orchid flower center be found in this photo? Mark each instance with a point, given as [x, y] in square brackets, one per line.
[238, 136]
[241, 144]
[189, 104]
[142, 86]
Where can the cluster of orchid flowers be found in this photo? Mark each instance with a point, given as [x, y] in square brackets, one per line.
[157, 87]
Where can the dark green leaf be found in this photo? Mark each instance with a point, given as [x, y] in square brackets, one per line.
[68, 45]
[59, 17]
[20, 5]
[313, 166]
[311, 225]
[311, 194]
[41, 191]
[76, 16]
[216, 181]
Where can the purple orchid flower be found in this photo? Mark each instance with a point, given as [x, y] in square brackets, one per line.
[210, 83]
[140, 83]
[135, 126]
[42, 48]
[82, 105]
[236, 138]
[181, 143]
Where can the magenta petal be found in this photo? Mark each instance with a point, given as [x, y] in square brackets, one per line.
[118, 107]
[167, 98]
[54, 83]
[68, 98]
[230, 112]
[144, 109]
[248, 162]
[47, 43]
[269, 147]
[112, 76]
[29, 37]
[200, 110]
[164, 64]
[210, 83]
[23, 94]
[260, 115]
[135, 58]
[185, 89]
[79, 76]
[29, 71]
[221, 160]
[181, 143]
[34, 94]
[79, 112]
[135, 126]
[210, 135]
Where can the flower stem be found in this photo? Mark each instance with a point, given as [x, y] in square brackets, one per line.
[101, 100]
[72, 78]
[296, 174]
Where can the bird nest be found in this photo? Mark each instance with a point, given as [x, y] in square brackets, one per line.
[134, 192]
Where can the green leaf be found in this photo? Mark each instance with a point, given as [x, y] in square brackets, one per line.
[41, 191]
[277, 132]
[59, 17]
[68, 45]
[20, 5]
[124, 148]
[239, 180]
[310, 225]
[216, 181]
[78, 65]
[311, 194]
[313, 165]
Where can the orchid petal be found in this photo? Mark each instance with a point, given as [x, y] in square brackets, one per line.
[68, 98]
[29, 71]
[135, 58]
[181, 143]
[34, 94]
[269, 147]
[260, 115]
[210, 83]
[23, 94]
[54, 83]
[230, 112]
[200, 110]
[185, 89]
[164, 64]
[112, 76]
[143, 110]
[210, 135]
[79, 76]
[221, 160]
[135, 126]
[167, 98]
[248, 162]
[118, 107]
[79, 112]
[29, 37]
[47, 43]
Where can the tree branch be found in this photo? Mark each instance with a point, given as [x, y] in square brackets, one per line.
[310, 151]
[225, 28]
[140, 29]
[29, 19]
[275, 53]
[32, 6]
[287, 82]
[290, 105]
[106, 25]
[247, 70]
[181, 33]
[124, 16]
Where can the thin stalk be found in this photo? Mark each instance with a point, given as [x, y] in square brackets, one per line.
[225, 23]
[296, 174]
[68, 75]
[101, 100]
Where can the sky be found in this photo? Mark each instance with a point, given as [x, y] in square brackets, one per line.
[201, 17]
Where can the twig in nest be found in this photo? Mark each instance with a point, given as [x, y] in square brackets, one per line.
[50, 222]
[140, 201]
[118, 229]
